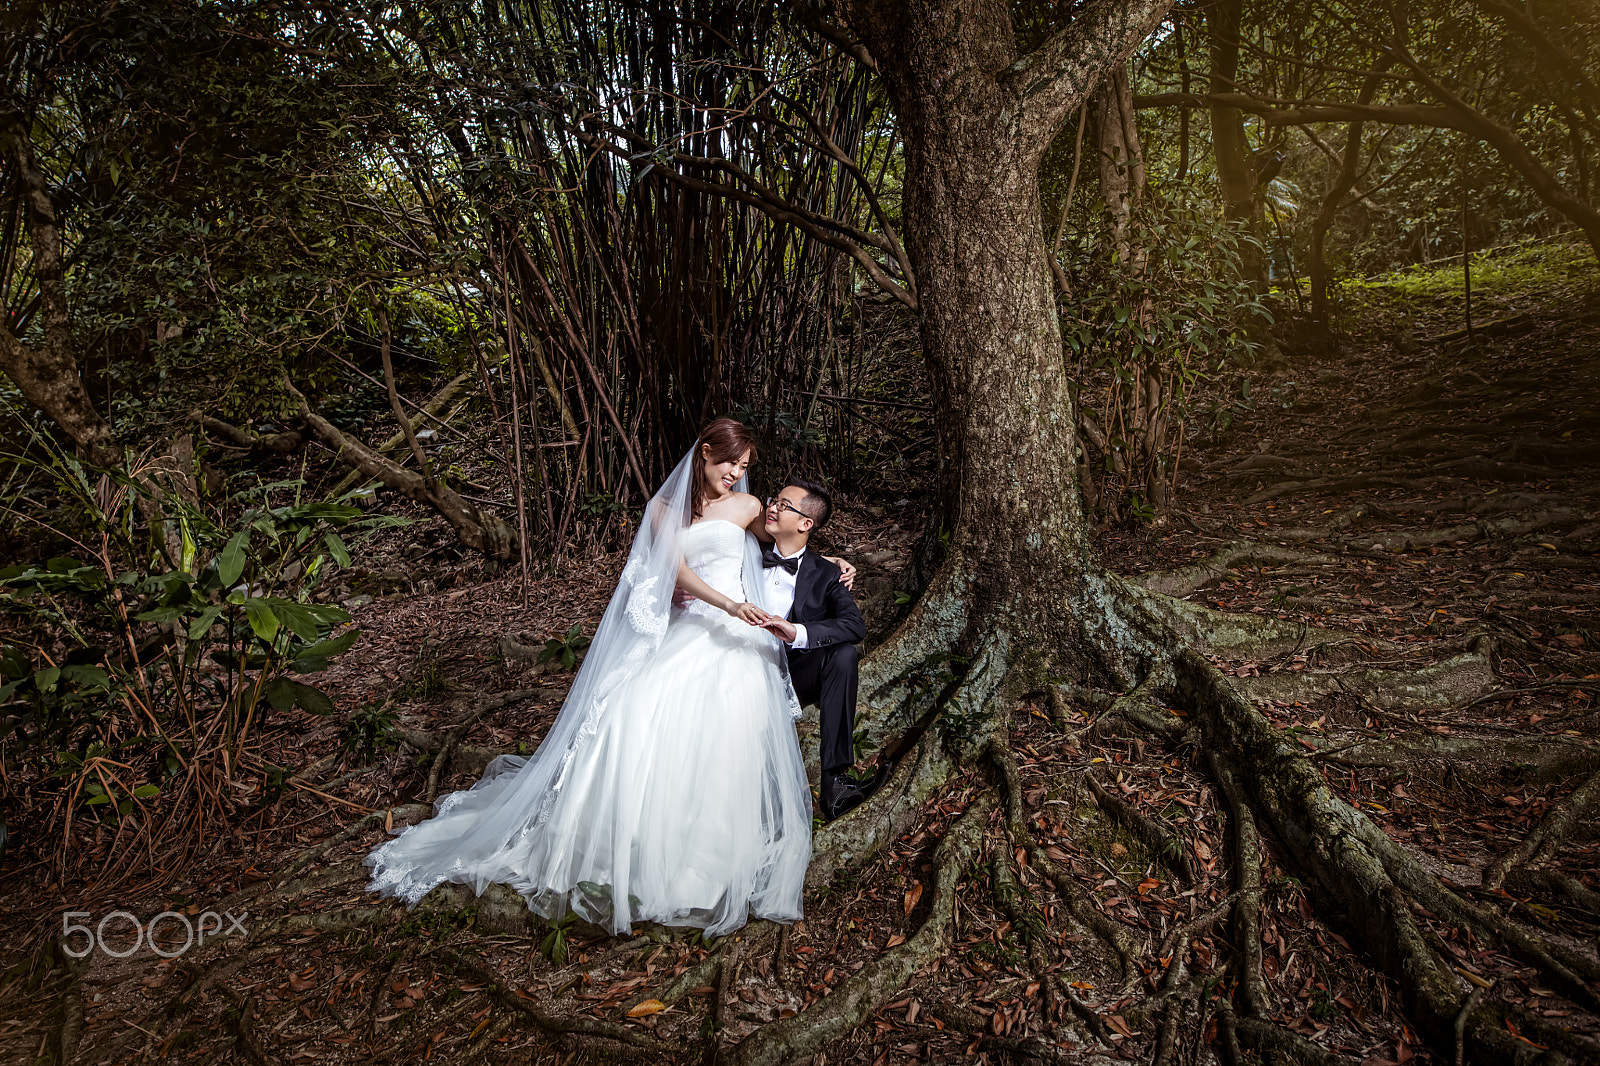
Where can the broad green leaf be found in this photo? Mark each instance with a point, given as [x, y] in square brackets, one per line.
[336, 548]
[203, 622]
[312, 700]
[146, 791]
[279, 692]
[327, 614]
[262, 620]
[296, 618]
[230, 564]
[327, 649]
[87, 676]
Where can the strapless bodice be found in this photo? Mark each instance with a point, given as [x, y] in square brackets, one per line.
[714, 549]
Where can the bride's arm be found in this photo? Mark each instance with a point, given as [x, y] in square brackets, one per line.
[695, 585]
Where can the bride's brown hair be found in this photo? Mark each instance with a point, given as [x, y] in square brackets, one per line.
[728, 440]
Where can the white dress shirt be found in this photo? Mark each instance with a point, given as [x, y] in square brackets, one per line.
[779, 595]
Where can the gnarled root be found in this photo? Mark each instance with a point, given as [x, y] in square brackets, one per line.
[1077, 901]
[859, 997]
[1549, 833]
[555, 1024]
[1358, 866]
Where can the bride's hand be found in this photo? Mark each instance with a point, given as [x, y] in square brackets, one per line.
[847, 573]
[748, 612]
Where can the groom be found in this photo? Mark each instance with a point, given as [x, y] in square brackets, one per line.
[814, 613]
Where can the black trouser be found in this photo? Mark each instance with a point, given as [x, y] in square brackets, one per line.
[827, 677]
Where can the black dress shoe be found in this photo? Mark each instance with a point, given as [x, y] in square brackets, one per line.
[841, 793]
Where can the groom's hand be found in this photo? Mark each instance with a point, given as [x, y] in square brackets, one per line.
[784, 629]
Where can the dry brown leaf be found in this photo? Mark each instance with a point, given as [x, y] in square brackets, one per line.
[913, 894]
[648, 1007]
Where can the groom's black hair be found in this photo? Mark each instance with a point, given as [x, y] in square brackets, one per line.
[814, 492]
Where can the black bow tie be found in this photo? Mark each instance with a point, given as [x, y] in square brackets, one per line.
[770, 558]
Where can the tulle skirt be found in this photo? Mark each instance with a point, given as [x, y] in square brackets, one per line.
[683, 800]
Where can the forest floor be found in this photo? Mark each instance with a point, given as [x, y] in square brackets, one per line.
[1436, 493]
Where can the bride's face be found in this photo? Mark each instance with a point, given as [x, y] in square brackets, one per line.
[722, 477]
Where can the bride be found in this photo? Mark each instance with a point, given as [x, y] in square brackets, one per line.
[670, 787]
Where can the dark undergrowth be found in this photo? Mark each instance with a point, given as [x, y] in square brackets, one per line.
[1080, 886]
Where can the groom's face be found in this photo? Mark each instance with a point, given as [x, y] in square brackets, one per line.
[786, 513]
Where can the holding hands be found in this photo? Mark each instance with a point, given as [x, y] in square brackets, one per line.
[750, 613]
[784, 629]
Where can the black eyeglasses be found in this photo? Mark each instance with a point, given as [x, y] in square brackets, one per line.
[784, 505]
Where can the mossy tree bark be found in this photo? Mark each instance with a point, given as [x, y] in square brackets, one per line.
[977, 114]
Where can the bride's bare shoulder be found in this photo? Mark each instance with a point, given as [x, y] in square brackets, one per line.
[737, 507]
[746, 506]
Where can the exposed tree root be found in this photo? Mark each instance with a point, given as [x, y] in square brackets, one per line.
[1207, 630]
[748, 940]
[860, 996]
[1440, 686]
[1138, 707]
[280, 885]
[1338, 484]
[920, 772]
[244, 1029]
[1401, 540]
[555, 1024]
[453, 738]
[1260, 1034]
[1247, 877]
[1014, 900]
[1544, 759]
[1183, 580]
[1362, 871]
[1165, 848]
[70, 1031]
[892, 810]
[1552, 884]
[1078, 903]
[1548, 834]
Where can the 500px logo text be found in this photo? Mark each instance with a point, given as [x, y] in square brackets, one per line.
[168, 923]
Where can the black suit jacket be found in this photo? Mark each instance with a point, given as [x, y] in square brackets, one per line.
[824, 606]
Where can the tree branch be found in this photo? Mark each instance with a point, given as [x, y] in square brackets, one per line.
[823, 228]
[1300, 112]
[477, 529]
[1511, 149]
[1058, 76]
[48, 376]
[1534, 34]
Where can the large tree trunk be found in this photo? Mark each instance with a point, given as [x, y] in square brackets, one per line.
[1228, 140]
[990, 331]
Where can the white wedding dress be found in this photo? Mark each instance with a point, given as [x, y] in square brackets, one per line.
[680, 798]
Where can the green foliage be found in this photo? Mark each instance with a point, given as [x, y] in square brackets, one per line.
[1183, 308]
[565, 650]
[1151, 313]
[372, 729]
[1509, 274]
[168, 645]
[235, 211]
[554, 945]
